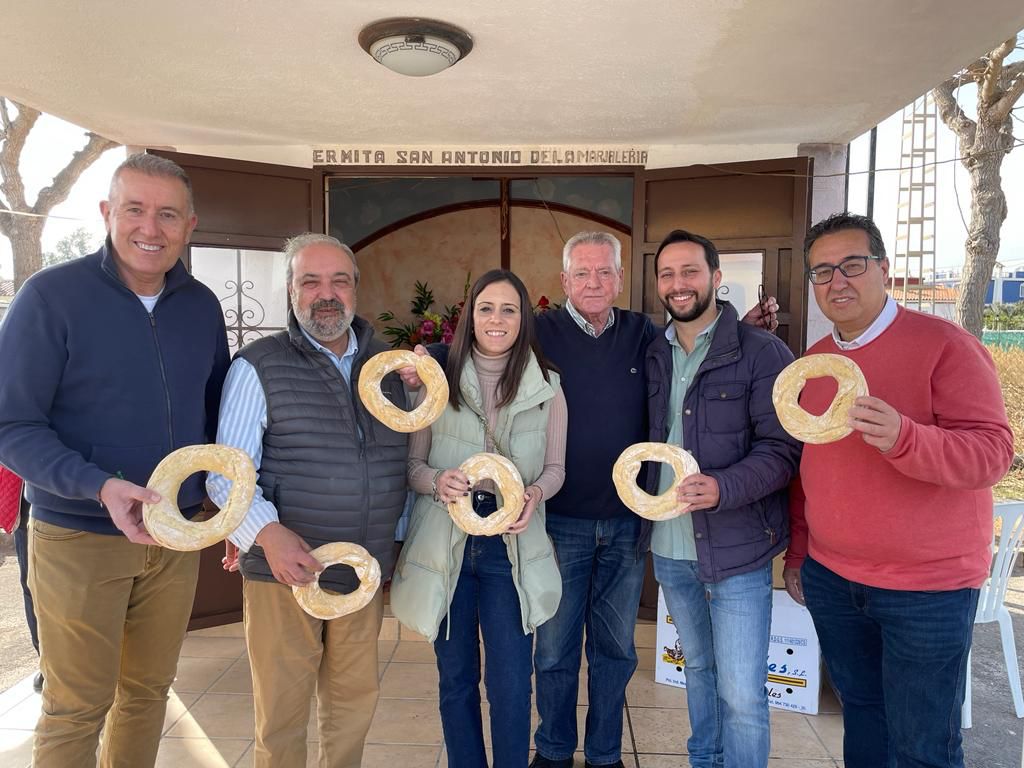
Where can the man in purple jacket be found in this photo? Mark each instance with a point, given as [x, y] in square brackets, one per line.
[710, 381]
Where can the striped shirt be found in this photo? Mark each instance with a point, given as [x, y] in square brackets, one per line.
[585, 325]
[243, 420]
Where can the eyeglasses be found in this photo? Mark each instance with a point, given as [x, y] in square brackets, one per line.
[851, 266]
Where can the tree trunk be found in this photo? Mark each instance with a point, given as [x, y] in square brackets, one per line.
[25, 236]
[988, 211]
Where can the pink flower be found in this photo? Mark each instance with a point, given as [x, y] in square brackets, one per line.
[427, 327]
[447, 337]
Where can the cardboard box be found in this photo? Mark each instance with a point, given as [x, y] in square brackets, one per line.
[794, 658]
[778, 564]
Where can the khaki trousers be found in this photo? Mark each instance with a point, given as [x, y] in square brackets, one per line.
[112, 616]
[294, 655]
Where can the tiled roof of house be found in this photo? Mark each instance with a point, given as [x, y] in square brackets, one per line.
[925, 294]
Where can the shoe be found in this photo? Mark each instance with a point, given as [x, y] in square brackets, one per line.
[37, 682]
[616, 764]
[539, 761]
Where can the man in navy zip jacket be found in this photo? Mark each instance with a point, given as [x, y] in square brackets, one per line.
[111, 362]
[710, 380]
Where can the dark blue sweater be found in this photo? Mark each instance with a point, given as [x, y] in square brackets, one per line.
[94, 386]
[606, 393]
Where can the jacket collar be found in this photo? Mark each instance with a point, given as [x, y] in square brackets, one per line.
[533, 390]
[174, 278]
[725, 341]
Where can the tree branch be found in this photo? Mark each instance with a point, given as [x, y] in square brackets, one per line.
[1011, 72]
[973, 71]
[17, 131]
[5, 116]
[953, 115]
[58, 190]
[990, 83]
[1012, 85]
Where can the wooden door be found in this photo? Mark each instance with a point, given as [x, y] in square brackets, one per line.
[753, 207]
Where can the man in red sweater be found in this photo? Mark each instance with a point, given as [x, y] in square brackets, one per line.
[899, 512]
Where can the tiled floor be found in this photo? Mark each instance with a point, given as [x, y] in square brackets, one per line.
[209, 719]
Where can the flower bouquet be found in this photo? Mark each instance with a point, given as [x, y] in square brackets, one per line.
[426, 327]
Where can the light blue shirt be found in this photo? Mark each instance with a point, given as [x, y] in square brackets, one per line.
[674, 538]
[242, 422]
[585, 325]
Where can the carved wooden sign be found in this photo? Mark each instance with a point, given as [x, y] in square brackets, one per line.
[479, 155]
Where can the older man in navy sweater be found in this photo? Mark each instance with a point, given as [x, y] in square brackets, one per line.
[601, 545]
[111, 362]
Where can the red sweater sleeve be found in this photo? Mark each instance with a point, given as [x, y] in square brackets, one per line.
[797, 550]
[970, 445]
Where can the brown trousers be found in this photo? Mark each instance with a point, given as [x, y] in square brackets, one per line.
[112, 616]
[294, 655]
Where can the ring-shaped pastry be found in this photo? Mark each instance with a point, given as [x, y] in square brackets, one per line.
[831, 425]
[321, 605]
[666, 505]
[430, 373]
[510, 487]
[164, 521]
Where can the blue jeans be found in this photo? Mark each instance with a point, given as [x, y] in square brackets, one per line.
[602, 576]
[485, 599]
[724, 630]
[899, 660]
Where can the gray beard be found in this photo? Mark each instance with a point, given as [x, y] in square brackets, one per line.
[325, 331]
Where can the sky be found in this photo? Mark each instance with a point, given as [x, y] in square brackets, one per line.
[53, 141]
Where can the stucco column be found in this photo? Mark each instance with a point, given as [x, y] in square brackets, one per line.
[828, 196]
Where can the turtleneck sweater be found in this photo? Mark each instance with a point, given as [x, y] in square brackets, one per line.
[488, 372]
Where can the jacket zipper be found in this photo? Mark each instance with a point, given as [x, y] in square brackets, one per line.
[156, 341]
[163, 377]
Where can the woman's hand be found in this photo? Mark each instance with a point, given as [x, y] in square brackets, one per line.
[451, 484]
[531, 499]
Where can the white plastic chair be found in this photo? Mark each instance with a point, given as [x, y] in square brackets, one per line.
[991, 606]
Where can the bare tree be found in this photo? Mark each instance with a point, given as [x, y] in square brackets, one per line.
[20, 222]
[983, 142]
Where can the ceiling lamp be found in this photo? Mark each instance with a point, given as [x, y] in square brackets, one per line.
[415, 47]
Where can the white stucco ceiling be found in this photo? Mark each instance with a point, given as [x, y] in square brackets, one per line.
[235, 73]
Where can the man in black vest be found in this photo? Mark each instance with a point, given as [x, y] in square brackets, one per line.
[328, 471]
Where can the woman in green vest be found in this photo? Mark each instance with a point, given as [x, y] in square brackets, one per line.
[503, 398]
